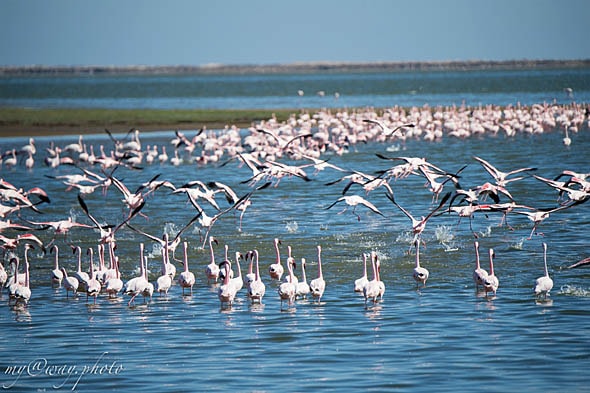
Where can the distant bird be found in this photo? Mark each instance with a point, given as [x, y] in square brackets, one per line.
[389, 132]
[354, 200]
[491, 282]
[419, 273]
[544, 284]
[318, 285]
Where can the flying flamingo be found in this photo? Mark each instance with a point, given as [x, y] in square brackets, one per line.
[257, 288]
[70, 283]
[276, 270]
[500, 177]
[418, 226]
[544, 284]
[186, 279]
[318, 285]
[354, 201]
[360, 283]
[491, 282]
[419, 273]
[479, 274]
[388, 131]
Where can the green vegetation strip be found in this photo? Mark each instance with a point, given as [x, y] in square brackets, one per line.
[84, 118]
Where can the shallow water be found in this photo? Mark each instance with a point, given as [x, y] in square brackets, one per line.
[443, 337]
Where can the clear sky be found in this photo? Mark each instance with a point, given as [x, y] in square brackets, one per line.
[199, 32]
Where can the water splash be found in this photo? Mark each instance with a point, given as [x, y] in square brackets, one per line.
[572, 290]
[444, 236]
[292, 227]
[487, 232]
[405, 237]
[519, 245]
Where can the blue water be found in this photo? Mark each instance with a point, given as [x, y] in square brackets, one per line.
[280, 90]
[443, 337]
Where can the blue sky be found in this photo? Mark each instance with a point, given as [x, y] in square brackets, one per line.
[178, 32]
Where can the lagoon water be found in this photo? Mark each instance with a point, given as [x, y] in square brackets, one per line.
[444, 337]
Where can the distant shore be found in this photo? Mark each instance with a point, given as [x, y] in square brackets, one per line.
[471, 65]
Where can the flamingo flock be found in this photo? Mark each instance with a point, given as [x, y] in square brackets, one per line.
[267, 153]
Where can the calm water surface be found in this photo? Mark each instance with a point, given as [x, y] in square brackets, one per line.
[444, 337]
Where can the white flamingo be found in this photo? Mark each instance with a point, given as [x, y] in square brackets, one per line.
[70, 283]
[114, 285]
[373, 288]
[318, 285]
[212, 269]
[186, 279]
[359, 283]
[56, 274]
[544, 284]
[93, 286]
[164, 282]
[419, 273]
[491, 282]
[302, 287]
[276, 269]
[226, 291]
[136, 285]
[81, 275]
[287, 288]
[257, 287]
[479, 274]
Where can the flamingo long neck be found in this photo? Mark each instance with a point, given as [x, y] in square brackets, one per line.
[303, 269]
[257, 270]
[418, 253]
[56, 262]
[26, 273]
[320, 275]
[375, 276]
[186, 257]
[79, 258]
[211, 249]
[477, 266]
[377, 267]
[226, 278]
[141, 271]
[365, 264]
[238, 264]
[491, 262]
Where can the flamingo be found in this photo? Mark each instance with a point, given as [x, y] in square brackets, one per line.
[250, 276]
[276, 270]
[318, 285]
[257, 288]
[420, 273]
[373, 289]
[113, 285]
[23, 292]
[287, 289]
[186, 279]
[93, 286]
[491, 282]
[148, 290]
[354, 201]
[238, 281]
[544, 284]
[56, 274]
[479, 274]
[70, 283]
[292, 278]
[500, 177]
[379, 281]
[164, 282]
[388, 131]
[302, 288]
[136, 285]
[3, 275]
[359, 283]
[226, 291]
[212, 269]
[80, 275]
